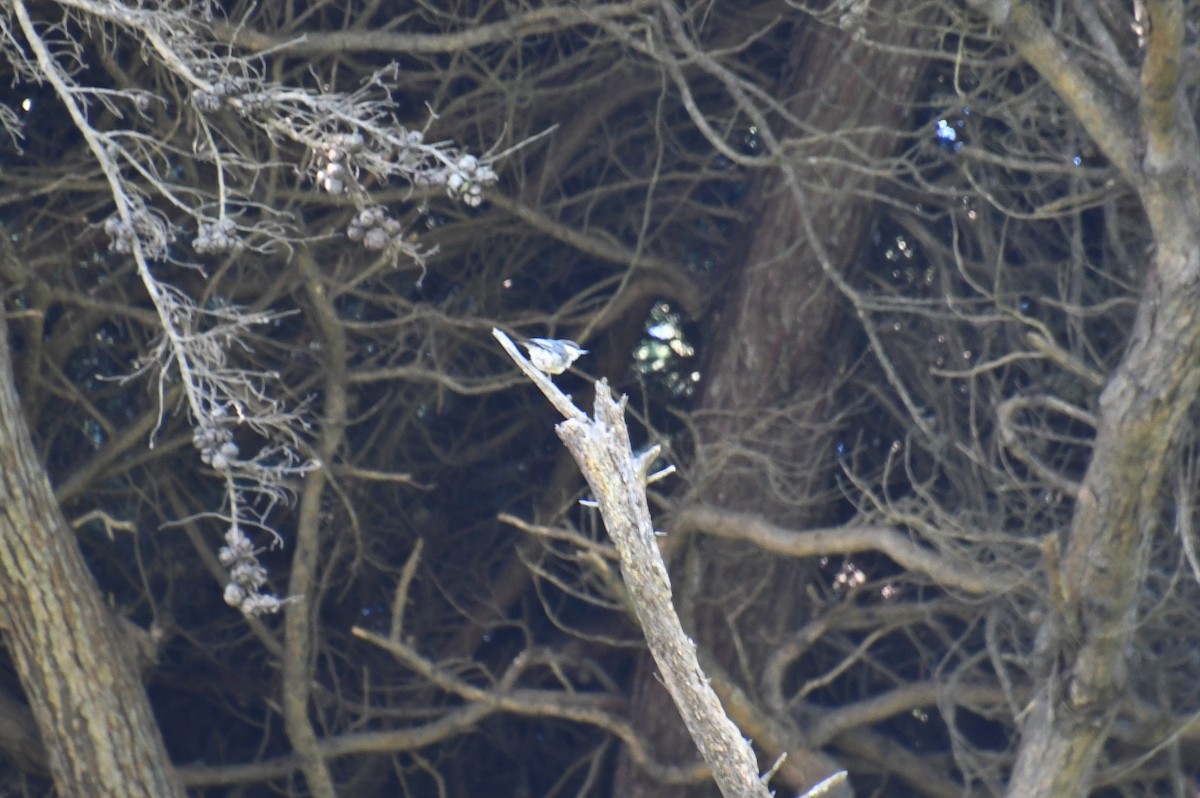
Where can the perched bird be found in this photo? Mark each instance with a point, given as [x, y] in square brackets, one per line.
[552, 355]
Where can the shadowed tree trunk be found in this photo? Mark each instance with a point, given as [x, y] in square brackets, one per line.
[765, 413]
[101, 737]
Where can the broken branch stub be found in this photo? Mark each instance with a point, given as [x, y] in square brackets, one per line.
[601, 447]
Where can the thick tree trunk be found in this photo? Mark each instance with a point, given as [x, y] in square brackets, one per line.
[79, 677]
[765, 409]
[1084, 645]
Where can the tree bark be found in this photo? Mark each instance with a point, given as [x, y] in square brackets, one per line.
[768, 381]
[1084, 645]
[91, 709]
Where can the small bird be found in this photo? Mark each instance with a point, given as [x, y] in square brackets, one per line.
[552, 355]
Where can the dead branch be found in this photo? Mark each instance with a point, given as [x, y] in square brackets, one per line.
[601, 447]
